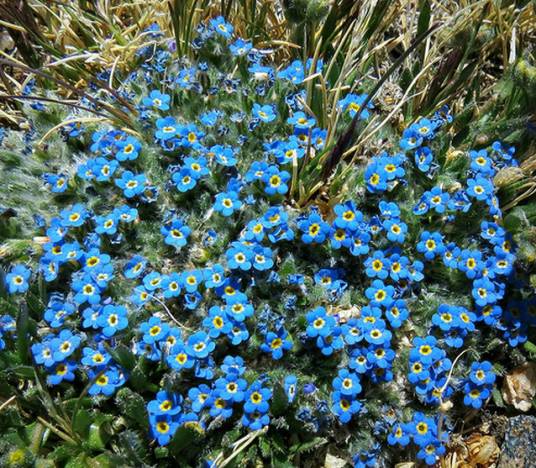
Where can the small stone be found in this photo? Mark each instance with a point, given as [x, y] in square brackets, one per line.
[334, 462]
[519, 446]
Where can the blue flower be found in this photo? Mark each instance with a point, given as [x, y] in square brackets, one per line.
[479, 188]
[344, 407]
[167, 128]
[179, 358]
[231, 387]
[431, 452]
[197, 166]
[126, 214]
[425, 350]
[57, 312]
[436, 199]
[186, 78]
[289, 151]
[221, 27]
[379, 293]
[431, 244]
[377, 334]
[294, 73]
[239, 257]
[347, 383]
[163, 429]
[199, 345]
[17, 279]
[348, 217]
[240, 47]
[475, 395]
[319, 323]
[411, 138]
[217, 322]
[276, 343]
[425, 128]
[64, 345]
[255, 420]
[484, 292]
[289, 385]
[220, 408]
[482, 373]
[238, 308]
[157, 100]
[330, 343]
[95, 357]
[265, 113]
[171, 285]
[313, 228]
[224, 155]
[166, 404]
[375, 177]
[214, 277]
[256, 171]
[112, 318]
[200, 397]
[106, 224]
[396, 230]
[360, 243]
[135, 267]
[238, 334]
[56, 182]
[132, 184]
[176, 233]
[262, 258]
[377, 266]
[153, 330]
[397, 313]
[300, 121]
[470, 262]
[191, 280]
[227, 203]
[104, 169]
[275, 181]
[424, 159]
[481, 163]
[424, 429]
[86, 290]
[74, 216]
[43, 353]
[399, 435]
[184, 179]
[60, 372]
[353, 103]
[152, 281]
[128, 149]
[257, 399]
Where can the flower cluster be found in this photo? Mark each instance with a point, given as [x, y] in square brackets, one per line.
[181, 263]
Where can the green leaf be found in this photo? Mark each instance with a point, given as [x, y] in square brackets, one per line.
[424, 17]
[3, 291]
[516, 220]
[132, 405]
[25, 372]
[80, 461]
[279, 401]
[22, 334]
[123, 356]
[183, 439]
[305, 447]
[81, 423]
[98, 433]
[497, 398]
